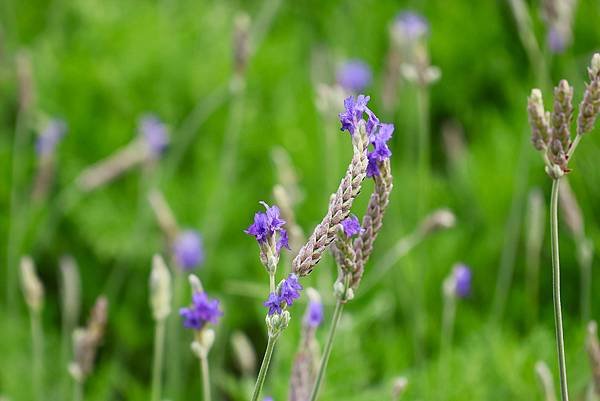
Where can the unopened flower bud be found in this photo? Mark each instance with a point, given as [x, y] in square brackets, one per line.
[33, 290]
[160, 289]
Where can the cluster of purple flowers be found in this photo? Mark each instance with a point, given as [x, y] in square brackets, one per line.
[188, 249]
[314, 314]
[379, 134]
[351, 226]
[288, 291]
[154, 132]
[202, 311]
[50, 136]
[266, 225]
[354, 75]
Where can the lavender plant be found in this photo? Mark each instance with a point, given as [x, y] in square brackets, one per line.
[86, 342]
[150, 143]
[197, 317]
[593, 350]
[33, 291]
[551, 135]
[558, 16]
[70, 307]
[351, 255]
[535, 238]
[544, 376]
[160, 302]
[47, 141]
[268, 229]
[456, 286]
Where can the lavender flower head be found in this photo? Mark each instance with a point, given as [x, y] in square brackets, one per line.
[202, 311]
[355, 108]
[287, 291]
[410, 26]
[269, 398]
[188, 249]
[462, 281]
[268, 230]
[351, 226]
[379, 139]
[50, 136]
[354, 75]
[314, 314]
[154, 133]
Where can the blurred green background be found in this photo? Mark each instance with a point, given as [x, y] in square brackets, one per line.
[100, 64]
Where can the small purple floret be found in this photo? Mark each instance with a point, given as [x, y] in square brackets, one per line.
[283, 241]
[188, 249]
[202, 311]
[354, 76]
[290, 289]
[314, 314]
[462, 281]
[154, 132]
[351, 226]
[273, 303]
[381, 151]
[50, 136]
[411, 25]
[266, 224]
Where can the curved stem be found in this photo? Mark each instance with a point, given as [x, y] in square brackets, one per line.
[205, 376]
[337, 314]
[264, 367]
[78, 390]
[562, 367]
[158, 360]
[38, 354]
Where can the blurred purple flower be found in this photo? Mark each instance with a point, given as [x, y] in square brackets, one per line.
[411, 25]
[462, 281]
[154, 132]
[290, 289]
[314, 314]
[351, 226]
[203, 310]
[556, 41]
[269, 398]
[273, 303]
[50, 136]
[188, 249]
[354, 75]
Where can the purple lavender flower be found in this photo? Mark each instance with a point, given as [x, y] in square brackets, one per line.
[351, 226]
[268, 398]
[188, 249]
[154, 132]
[462, 281]
[202, 311]
[314, 314]
[50, 136]
[290, 289]
[556, 41]
[355, 108]
[354, 76]
[273, 303]
[381, 151]
[411, 25]
[283, 241]
[266, 224]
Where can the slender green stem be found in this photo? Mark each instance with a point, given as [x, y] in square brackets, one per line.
[264, 367]
[337, 314]
[562, 366]
[78, 390]
[159, 344]
[449, 314]
[585, 257]
[205, 376]
[37, 337]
